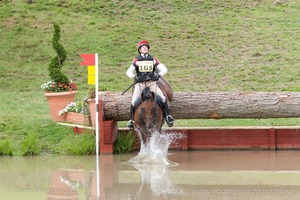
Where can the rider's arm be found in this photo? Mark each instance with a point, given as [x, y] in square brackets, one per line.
[162, 69]
[130, 71]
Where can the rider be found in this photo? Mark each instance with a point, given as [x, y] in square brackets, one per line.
[148, 70]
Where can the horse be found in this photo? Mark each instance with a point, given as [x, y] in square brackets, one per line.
[149, 116]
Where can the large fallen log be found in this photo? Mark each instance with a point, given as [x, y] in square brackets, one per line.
[216, 105]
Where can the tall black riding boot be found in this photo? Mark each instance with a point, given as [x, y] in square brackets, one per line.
[169, 118]
[130, 123]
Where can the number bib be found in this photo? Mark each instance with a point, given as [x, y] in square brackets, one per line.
[145, 66]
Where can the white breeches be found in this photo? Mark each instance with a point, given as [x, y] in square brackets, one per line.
[138, 88]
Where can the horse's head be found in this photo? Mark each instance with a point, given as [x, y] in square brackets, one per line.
[148, 116]
[148, 113]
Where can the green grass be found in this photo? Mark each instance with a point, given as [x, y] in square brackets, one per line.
[207, 46]
[125, 142]
[5, 148]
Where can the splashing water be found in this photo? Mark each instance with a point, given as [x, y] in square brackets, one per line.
[153, 165]
[156, 151]
[155, 177]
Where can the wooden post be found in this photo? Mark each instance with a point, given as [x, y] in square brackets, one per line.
[272, 139]
[108, 132]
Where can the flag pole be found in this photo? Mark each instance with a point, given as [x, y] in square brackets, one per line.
[97, 106]
[97, 126]
[91, 60]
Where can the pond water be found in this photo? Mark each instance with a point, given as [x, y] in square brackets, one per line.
[198, 175]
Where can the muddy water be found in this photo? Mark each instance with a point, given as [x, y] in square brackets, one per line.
[208, 175]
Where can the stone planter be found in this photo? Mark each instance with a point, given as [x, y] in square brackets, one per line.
[58, 101]
[77, 118]
[92, 108]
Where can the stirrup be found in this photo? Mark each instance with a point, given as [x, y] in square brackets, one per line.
[170, 120]
[130, 124]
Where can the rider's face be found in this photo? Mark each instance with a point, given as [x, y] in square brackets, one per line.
[144, 49]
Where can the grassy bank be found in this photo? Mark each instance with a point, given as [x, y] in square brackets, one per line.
[207, 46]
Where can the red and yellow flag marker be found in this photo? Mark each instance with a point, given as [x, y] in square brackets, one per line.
[90, 61]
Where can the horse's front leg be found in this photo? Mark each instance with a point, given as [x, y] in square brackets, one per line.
[141, 135]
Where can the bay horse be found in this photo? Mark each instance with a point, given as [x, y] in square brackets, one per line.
[149, 116]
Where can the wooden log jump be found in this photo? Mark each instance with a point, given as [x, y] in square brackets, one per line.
[210, 105]
[216, 105]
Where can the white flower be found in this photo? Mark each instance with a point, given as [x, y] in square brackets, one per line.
[71, 107]
[74, 107]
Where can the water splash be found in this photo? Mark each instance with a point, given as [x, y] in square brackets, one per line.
[153, 165]
[155, 178]
[156, 151]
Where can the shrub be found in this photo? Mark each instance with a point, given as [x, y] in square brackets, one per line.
[6, 148]
[30, 146]
[57, 62]
[125, 142]
[83, 144]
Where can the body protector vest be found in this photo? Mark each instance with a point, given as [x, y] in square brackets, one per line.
[145, 68]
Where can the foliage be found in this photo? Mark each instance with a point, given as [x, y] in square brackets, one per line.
[52, 86]
[125, 142]
[83, 144]
[30, 146]
[57, 62]
[92, 94]
[77, 107]
[59, 82]
[6, 148]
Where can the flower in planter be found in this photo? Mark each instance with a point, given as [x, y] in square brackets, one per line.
[52, 86]
[77, 107]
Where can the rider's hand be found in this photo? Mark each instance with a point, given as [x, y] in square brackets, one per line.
[156, 77]
[136, 78]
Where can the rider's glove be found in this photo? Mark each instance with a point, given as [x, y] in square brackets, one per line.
[136, 78]
[156, 77]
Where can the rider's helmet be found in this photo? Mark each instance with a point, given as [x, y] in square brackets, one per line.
[142, 43]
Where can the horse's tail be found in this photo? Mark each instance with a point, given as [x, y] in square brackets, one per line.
[166, 88]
